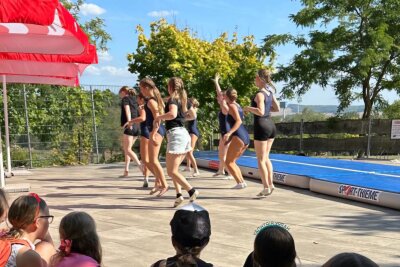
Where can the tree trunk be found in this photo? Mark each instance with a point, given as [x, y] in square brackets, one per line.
[367, 109]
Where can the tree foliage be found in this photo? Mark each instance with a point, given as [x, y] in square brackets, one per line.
[60, 121]
[170, 51]
[356, 50]
[392, 111]
[94, 27]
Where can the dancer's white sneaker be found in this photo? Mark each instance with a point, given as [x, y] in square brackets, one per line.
[264, 193]
[218, 174]
[238, 186]
[195, 174]
[178, 201]
[194, 196]
[227, 177]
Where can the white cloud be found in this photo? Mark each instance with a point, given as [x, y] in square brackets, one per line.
[92, 9]
[108, 71]
[104, 56]
[162, 13]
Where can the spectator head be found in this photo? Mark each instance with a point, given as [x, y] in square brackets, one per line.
[78, 235]
[191, 231]
[29, 214]
[350, 260]
[274, 246]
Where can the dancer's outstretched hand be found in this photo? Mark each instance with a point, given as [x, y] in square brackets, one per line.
[216, 78]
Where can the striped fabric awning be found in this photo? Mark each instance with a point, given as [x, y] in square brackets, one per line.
[63, 36]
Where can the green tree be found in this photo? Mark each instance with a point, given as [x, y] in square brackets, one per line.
[170, 51]
[94, 28]
[61, 121]
[307, 115]
[356, 51]
[392, 111]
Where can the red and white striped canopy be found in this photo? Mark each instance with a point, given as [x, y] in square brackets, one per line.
[28, 31]
[42, 45]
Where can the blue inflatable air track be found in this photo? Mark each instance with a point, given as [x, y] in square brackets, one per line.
[331, 171]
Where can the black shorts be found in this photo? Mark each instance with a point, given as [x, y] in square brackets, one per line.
[134, 131]
[264, 129]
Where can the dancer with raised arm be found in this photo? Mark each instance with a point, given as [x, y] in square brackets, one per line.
[223, 126]
[262, 104]
[237, 136]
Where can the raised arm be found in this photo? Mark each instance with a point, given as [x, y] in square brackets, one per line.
[216, 82]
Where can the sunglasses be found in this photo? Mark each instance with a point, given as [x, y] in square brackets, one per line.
[50, 218]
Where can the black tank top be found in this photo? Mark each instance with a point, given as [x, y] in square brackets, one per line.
[267, 103]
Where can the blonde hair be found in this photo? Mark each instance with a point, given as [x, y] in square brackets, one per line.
[265, 76]
[194, 102]
[179, 92]
[151, 86]
[80, 228]
[231, 94]
[23, 212]
[128, 90]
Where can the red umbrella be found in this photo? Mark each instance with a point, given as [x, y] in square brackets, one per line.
[40, 45]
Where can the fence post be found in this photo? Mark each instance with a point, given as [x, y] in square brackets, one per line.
[27, 128]
[369, 138]
[95, 126]
[301, 135]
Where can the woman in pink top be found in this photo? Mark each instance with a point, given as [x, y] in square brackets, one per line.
[80, 244]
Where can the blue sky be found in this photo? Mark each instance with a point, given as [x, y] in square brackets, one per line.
[208, 17]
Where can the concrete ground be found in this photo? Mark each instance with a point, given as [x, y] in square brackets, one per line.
[134, 227]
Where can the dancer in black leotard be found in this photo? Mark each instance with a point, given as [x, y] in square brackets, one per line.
[194, 135]
[238, 136]
[144, 137]
[223, 126]
[129, 110]
[153, 108]
[262, 104]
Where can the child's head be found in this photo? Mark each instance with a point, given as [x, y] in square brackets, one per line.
[191, 231]
[78, 231]
[350, 259]
[274, 246]
[3, 206]
[29, 214]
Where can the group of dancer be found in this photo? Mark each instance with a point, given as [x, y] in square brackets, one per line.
[142, 115]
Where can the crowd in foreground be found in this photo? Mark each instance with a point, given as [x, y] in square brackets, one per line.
[25, 240]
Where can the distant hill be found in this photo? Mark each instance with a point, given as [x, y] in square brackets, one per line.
[324, 108]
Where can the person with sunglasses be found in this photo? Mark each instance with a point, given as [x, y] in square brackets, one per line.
[29, 220]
